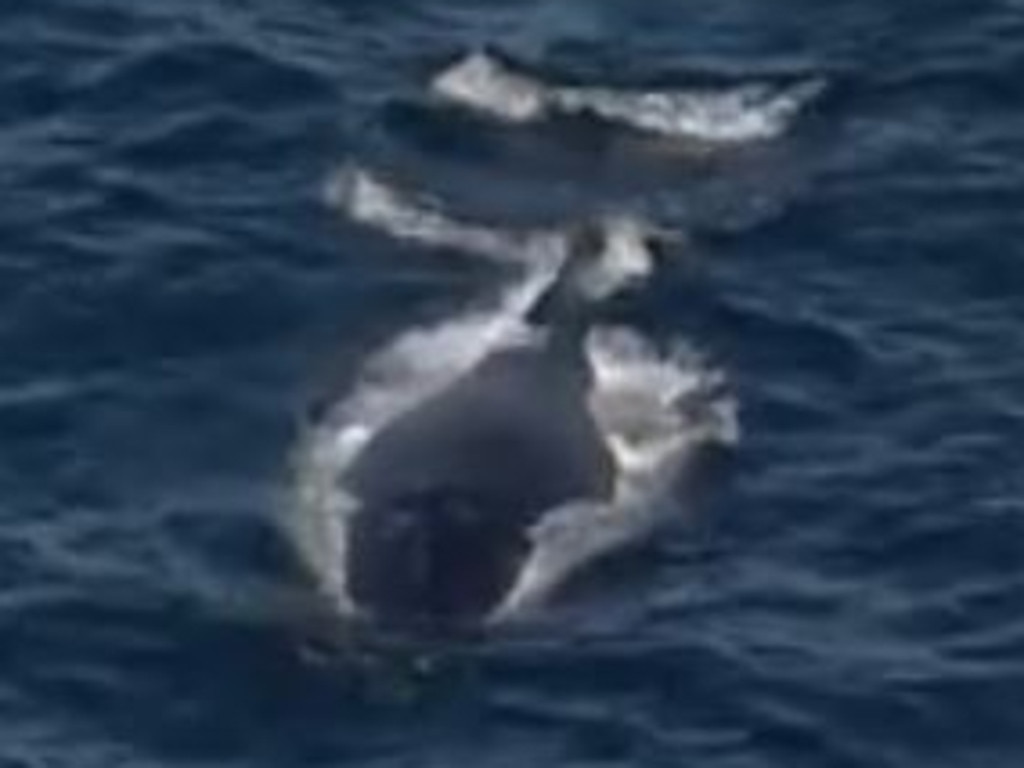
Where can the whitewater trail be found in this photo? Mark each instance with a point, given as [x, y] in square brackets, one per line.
[725, 115]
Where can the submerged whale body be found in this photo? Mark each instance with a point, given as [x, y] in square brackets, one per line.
[449, 491]
[479, 461]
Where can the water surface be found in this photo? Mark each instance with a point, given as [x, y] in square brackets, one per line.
[174, 293]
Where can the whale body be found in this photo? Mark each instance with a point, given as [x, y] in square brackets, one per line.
[449, 491]
[479, 461]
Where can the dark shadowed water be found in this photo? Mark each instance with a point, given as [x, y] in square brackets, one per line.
[174, 292]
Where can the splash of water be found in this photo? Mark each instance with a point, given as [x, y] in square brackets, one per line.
[728, 115]
[656, 412]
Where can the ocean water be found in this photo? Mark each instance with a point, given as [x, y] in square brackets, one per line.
[176, 292]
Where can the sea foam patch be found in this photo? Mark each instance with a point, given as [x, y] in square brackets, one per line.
[657, 412]
[726, 115]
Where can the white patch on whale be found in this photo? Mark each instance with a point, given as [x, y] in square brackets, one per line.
[726, 115]
[652, 409]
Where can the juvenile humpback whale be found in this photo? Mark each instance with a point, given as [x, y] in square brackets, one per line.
[477, 461]
[449, 491]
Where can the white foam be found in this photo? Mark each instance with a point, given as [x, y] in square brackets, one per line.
[742, 114]
[483, 83]
[317, 522]
[626, 258]
[655, 412]
[726, 115]
[368, 199]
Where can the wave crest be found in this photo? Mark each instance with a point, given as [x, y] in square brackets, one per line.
[725, 115]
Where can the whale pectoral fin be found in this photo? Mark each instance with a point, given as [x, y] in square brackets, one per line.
[562, 541]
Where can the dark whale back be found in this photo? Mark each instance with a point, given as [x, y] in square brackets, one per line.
[448, 491]
[518, 416]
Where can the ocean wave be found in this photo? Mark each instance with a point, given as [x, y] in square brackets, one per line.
[726, 115]
[368, 199]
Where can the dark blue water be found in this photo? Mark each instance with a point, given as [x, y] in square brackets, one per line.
[173, 292]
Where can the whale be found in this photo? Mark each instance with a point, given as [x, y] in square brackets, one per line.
[448, 493]
[473, 464]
